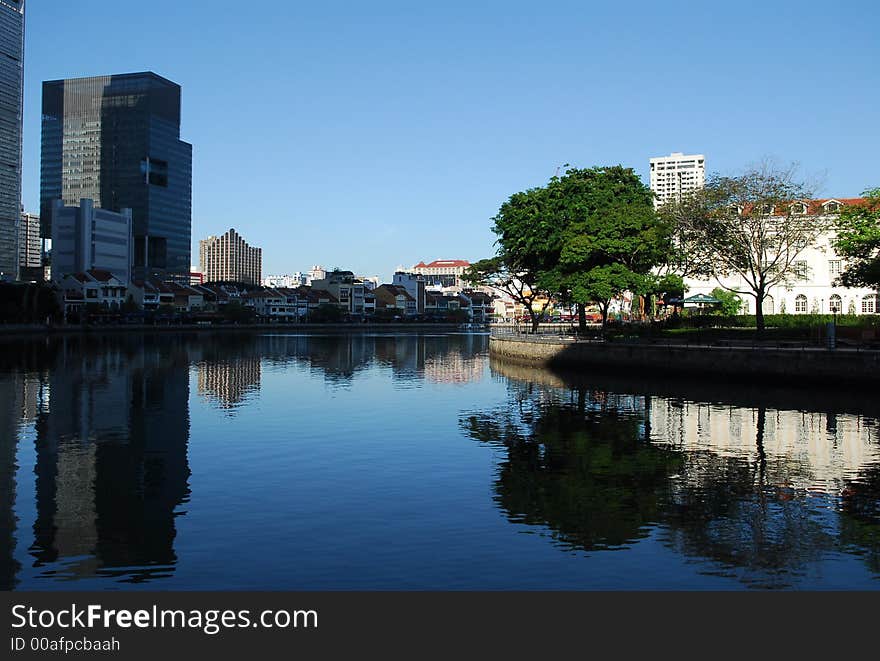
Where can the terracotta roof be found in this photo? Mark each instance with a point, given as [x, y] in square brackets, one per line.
[442, 263]
[815, 207]
[100, 275]
[322, 294]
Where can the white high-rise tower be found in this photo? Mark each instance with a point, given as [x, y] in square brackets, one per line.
[675, 175]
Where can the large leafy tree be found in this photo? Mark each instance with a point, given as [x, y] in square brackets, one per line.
[528, 248]
[754, 226]
[858, 240]
[612, 239]
[585, 237]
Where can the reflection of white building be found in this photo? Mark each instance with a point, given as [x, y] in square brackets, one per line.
[822, 449]
[812, 289]
[453, 367]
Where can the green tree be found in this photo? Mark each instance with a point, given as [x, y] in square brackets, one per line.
[754, 226]
[130, 305]
[327, 313]
[612, 239]
[730, 305]
[237, 313]
[529, 236]
[858, 240]
[522, 286]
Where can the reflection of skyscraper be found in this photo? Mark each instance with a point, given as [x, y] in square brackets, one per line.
[111, 458]
[229, 382]
[10, 395]
[453, 367]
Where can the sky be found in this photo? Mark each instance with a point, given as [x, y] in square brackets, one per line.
[372, 135]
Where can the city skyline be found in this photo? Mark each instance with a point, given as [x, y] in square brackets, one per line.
[415, 131]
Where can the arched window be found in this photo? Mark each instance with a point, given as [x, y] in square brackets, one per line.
[832, 207]
[835, 304]
[769, 306]
[869, 304]
[800, 304]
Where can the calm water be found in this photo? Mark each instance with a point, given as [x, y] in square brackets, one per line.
[303, 462]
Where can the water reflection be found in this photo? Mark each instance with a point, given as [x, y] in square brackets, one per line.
[111, 458]
[109, 422]
[217, 460]
[449, 358]
[761, 494]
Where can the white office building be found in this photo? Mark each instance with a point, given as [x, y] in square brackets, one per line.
[675, 175]
[86, 238]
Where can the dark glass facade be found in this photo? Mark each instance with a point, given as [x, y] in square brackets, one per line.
[116, 140]
[11, 94]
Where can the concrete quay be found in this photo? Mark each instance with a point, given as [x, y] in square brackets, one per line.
[792, 365]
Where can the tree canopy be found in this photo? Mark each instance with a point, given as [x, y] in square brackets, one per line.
[585, 237]
[858, 240]
[754, 226]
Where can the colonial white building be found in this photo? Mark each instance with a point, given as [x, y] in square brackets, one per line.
[812, 290]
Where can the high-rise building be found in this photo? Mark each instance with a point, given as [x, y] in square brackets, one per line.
[11, 95]
[116, 140]
[229, 258]
[85, 238]
[676, 175]
[29, 245]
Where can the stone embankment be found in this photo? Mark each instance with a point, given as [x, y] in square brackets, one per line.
[790, 364]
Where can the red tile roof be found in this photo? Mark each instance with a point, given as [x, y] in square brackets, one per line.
[443, 263]
[815, 207]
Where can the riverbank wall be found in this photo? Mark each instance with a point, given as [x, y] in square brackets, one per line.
[789, 365]
[32, 330]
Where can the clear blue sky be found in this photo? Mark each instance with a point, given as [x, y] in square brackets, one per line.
[370, 134]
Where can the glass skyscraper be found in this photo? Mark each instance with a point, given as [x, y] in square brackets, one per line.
[116, 140]
[11, 94]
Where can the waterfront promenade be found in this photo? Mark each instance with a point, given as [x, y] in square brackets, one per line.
[793, 364]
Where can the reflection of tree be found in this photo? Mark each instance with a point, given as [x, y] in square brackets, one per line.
[860, 516]
[584, 471]
[577, 462]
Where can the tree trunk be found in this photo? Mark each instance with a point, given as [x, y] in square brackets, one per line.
[759, 441]
[536, 320]
[582, 317]
[759, 313]
[603, 306]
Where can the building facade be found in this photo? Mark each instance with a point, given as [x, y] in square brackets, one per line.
[812, 287]
[675, 175]
[287, 281]
[11, 100]
[345, 288]
[86, 238]
[442, 272]
[116, 140]
[229, 258]
[414, 284]
[30, 254]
